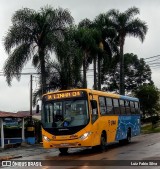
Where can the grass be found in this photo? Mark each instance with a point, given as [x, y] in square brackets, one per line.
[149, 129]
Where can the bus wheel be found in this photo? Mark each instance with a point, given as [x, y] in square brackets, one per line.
[63, 150]
[103, 142]
[128, 139]
[121, 142]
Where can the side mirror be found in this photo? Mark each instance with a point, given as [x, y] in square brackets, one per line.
[37, 108]
[94, 104]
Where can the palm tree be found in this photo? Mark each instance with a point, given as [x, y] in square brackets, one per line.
[86, 42]
[33, 35]
[126, 25]
[64, 72]
[107, 44]
[69, 57]
[95, 47]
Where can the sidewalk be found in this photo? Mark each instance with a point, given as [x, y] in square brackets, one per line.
[24, 150]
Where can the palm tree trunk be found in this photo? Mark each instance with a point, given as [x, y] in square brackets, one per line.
[122, 90]
[43, 74]
[84, 71]
[95, 72]
[99, 73]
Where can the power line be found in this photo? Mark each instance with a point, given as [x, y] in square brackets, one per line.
[151, 57]
[152, 60]
[154, 63]
[155, 68]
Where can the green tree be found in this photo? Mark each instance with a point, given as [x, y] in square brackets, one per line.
[100, 49]
[70, 61]
[64, 72]
[86, 41]
[126, 24]
[93, 49]
[136, 73]
[149, 100]
[33, 35]
[107, 45]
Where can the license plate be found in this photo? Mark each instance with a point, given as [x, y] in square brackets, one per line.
[64, 144]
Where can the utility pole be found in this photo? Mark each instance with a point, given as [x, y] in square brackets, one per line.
[30, 128]
[31, 98]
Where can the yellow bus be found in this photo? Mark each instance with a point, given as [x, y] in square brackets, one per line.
[88, 118]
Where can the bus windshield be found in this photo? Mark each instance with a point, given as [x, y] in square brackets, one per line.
[65, 113]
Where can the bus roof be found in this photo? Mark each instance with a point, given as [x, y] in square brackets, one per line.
[102, 93]
[129, 98]
[109, 94]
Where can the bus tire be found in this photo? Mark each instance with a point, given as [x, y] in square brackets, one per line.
[63, 150]
[121, 142]
[103, 142]
[128, 139]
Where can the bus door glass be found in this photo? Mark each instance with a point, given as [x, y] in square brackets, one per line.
[94, 111]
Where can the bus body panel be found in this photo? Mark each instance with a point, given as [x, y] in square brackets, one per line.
[126, 122]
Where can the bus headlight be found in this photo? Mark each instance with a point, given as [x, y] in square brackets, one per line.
[46, 138]
[85, 135]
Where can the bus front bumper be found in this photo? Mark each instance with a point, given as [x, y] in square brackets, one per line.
[84, 141]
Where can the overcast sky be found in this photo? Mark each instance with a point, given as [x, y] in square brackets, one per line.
[16, 97]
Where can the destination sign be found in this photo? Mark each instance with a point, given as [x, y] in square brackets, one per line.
[64, 95]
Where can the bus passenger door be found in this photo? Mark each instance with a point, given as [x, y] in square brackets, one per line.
[94, 113]
[94, 117]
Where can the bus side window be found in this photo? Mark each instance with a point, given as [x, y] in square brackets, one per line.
[109, 106]
[137, 110]
[132, 107]
[122, 106]
[127, 106]
[116, 106]
[102, 105]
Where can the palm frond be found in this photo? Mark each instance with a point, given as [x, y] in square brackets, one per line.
[17, 35]
[131, 12]
[137, 28]
[113, 15]
[37, 94]
[14, 64]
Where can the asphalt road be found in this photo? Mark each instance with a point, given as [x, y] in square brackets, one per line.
[142, 152]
